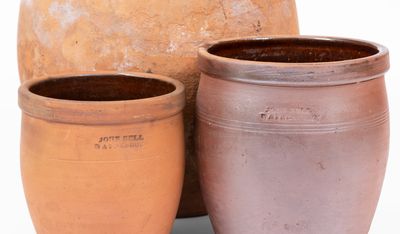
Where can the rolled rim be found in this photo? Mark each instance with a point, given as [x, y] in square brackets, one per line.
[218, 59]
[97, 111]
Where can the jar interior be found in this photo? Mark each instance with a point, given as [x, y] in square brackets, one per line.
[293, 50]
[102, 88]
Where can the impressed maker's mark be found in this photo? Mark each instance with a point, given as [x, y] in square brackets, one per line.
[289, 114]
[119, 142]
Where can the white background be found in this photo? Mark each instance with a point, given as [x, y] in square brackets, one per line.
[377, 21]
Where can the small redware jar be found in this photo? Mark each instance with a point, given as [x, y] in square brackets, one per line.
[102, 153]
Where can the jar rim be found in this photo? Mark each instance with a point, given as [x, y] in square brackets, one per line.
[236, 67]
[116, 110]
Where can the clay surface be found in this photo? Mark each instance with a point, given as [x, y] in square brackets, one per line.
[293, 134]
[102, 162]
[75, 36]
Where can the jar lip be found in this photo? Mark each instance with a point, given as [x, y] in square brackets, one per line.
[324, 73]
[102, 112]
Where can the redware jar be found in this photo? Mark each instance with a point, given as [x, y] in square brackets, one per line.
[100, 160]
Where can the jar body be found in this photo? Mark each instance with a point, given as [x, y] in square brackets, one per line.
[148, 36]
[102, 178]
[282, 159]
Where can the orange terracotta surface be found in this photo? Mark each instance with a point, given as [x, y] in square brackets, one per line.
[71, 36]
[86, 170]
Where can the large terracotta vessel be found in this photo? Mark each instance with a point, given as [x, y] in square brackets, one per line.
[292, 134]
[75, 36]
[101, 160]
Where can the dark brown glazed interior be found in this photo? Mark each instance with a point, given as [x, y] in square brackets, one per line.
[293, 50]
[102, 88]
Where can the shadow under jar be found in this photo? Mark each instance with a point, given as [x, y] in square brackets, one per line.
[102, 153]
[292, 134]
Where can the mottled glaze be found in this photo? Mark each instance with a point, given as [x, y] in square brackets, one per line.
[292, 134]
[71, 36]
